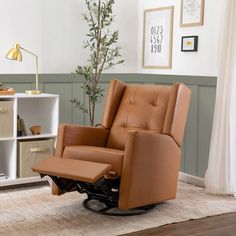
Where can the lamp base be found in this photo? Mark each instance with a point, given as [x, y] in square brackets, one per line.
[33, 92]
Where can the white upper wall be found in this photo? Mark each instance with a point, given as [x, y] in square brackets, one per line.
[203, 62]
[55, 31]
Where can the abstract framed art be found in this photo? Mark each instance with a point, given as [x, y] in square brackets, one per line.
[189, 44]
[157, 38]
[192, 13]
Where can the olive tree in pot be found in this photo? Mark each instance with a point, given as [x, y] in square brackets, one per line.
[104, 53]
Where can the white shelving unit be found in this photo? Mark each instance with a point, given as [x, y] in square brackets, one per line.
[40, 110]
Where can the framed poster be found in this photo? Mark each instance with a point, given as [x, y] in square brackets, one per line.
[192, 12]
[157, 38]
[189, 44]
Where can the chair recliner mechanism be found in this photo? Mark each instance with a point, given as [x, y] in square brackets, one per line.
[104, 192]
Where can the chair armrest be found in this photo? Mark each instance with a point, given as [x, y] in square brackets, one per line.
[79, 135]
[150, 169]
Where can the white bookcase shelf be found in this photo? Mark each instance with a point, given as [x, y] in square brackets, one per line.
[40, 110]
[44, 135]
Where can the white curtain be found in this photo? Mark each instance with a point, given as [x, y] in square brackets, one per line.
[220, 177]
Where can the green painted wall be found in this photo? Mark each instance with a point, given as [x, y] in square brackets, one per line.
[199, 125]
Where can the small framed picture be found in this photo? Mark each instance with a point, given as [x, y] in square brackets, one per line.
[192, 13]
[189, 44]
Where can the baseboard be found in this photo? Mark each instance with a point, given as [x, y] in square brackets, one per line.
[190, 179]
[12, 183]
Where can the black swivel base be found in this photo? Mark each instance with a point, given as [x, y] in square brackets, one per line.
[103, 196]
[102, 208]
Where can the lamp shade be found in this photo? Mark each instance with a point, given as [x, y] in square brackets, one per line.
[14, 53]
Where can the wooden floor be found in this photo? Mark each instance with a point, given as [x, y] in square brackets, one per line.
[222, 225]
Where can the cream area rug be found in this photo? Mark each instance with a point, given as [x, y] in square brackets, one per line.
[34, 211]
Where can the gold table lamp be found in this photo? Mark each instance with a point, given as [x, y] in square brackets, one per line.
[15, 54]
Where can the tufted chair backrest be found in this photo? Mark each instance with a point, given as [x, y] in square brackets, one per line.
[149, 108]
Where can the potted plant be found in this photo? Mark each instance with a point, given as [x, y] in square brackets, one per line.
[104, 53]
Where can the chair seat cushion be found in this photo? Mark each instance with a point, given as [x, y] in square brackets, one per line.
[96, 154]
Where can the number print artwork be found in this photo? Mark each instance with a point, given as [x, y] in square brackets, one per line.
[156, 39]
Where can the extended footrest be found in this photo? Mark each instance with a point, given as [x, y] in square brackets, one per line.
[88, 177]
[84, 171]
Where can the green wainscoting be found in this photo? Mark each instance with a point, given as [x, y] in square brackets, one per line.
[198, 130]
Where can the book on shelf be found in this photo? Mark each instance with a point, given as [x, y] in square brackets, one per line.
[21, 130]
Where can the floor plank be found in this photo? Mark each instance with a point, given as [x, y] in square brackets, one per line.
[222, 225]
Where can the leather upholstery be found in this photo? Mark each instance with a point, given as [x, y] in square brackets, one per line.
[141, 136]
[96, 154]
[150, 169]
[177, 112]
[78, 135]
[141, 108]
[88, 171]
[115, 93]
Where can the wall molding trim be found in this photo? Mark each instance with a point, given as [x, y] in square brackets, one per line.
[129, 77]
[190, 179]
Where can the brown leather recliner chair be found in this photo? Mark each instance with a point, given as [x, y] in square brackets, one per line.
[133, 159]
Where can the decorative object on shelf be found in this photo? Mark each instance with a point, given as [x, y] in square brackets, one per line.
[3, 176]
[192, 13]
[157, 38]
[15, 54]
[21, 130]
[35, 130]
[189, 44]
[7, 91]
[104, 53]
